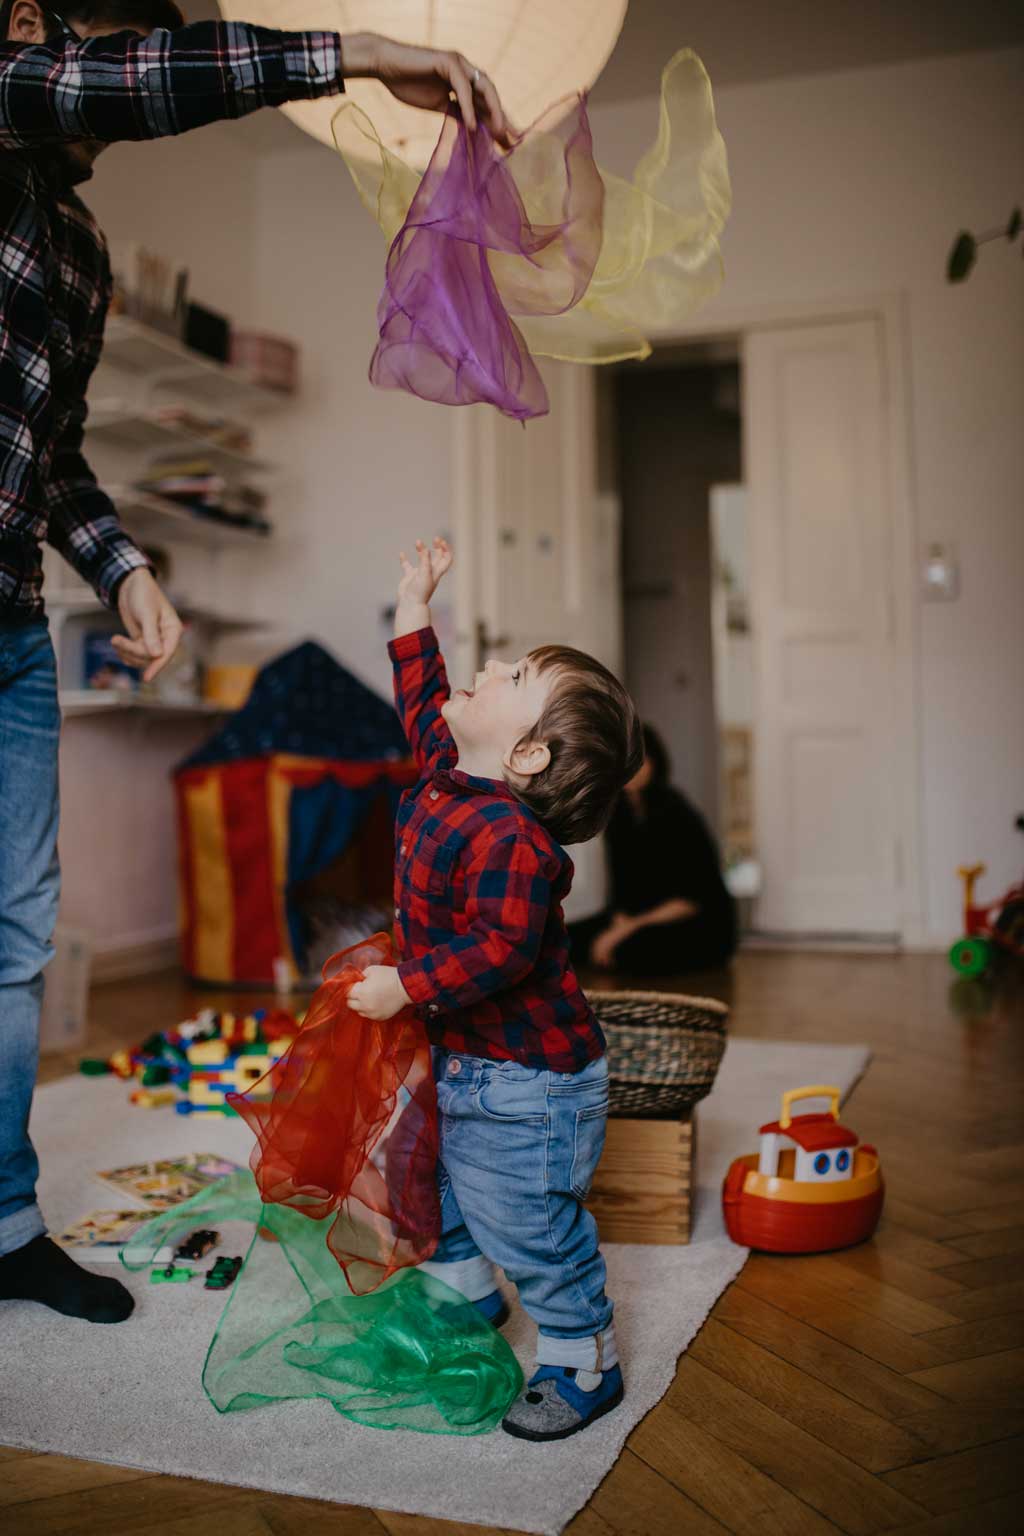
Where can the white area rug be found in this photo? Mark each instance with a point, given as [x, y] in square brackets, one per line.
[131, 1394]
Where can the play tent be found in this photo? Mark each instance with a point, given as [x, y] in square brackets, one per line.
[299, 788]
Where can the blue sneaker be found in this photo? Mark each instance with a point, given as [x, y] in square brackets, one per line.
[495, 1308]
[555, 1406]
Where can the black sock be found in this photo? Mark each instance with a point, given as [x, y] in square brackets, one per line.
[40, 1271]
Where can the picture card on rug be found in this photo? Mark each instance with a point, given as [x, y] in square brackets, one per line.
[105, 1232]
[170, 1180]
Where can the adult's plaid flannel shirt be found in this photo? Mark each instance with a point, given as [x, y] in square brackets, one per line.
[54, 269]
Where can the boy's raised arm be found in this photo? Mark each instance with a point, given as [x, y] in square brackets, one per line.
[421, 683]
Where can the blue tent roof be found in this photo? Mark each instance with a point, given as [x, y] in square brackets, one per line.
[305, 703]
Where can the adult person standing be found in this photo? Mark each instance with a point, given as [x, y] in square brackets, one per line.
[670, 909]
[73, 81]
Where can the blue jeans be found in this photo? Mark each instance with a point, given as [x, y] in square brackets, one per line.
[519, 1146]
[29, 890]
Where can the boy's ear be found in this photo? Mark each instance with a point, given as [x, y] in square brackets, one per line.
[528, 758]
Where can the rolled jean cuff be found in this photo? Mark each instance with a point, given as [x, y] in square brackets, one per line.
[20, 1227]
[596, 1352]
[473, 1278]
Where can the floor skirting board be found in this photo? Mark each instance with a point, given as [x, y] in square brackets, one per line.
[135, 955]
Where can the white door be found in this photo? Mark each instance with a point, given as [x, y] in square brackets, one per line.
[536, 549]
[824, 629]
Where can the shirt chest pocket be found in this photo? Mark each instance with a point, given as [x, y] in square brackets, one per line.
[427, 863]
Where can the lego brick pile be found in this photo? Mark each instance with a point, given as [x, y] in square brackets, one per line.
[197, 1064]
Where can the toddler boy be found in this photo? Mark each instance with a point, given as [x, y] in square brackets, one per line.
[530, 759]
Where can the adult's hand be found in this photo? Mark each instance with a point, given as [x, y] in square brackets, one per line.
[426, 77]
[602, 951]
[154, 628]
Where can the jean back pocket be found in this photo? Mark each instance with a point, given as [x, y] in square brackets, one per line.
[588, 1144]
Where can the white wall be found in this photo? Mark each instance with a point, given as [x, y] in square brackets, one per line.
[373, 468]
[855, 184]
[195, 199]
[280, 242]
[845, 185]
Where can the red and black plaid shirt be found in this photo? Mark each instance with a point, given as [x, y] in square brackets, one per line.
[54, 271]
[479, 887]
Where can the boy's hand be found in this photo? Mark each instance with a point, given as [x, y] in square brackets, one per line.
[417, 585]
[419, 581]
[380, 994]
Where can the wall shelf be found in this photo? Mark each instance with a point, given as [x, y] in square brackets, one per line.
[111, 701]
[167, 363]
[148, 518]
[138, 431]
[140, 368]
[70, 605]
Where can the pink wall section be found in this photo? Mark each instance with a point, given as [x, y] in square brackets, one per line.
[117, 844]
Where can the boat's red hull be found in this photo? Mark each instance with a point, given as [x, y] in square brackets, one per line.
[787, 1226]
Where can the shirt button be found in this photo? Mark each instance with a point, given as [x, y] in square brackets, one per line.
[433, 1008]
[454, 1067]
[403, 848]
[398, 911]
[435, 794]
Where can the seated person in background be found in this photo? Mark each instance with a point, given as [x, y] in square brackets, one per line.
[670, 910]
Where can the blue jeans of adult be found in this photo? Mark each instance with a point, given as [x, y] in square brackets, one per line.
[519, 1148]
[29, 889]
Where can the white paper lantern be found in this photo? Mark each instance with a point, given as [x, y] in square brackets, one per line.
[535, 51]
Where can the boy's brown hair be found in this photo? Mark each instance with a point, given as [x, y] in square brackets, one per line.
[590, 725]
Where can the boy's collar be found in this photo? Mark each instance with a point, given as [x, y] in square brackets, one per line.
[453, 779]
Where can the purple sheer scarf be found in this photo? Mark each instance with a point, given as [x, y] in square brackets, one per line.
[489, 236]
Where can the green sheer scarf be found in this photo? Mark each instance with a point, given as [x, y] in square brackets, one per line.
[413, 1354]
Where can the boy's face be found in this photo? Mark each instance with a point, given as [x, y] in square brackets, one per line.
[506, 701]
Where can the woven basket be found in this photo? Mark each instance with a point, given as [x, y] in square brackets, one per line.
[663, 1051]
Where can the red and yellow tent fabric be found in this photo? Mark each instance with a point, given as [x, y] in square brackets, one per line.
[254, 827]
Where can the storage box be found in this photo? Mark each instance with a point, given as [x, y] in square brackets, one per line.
[66, 992]
[643, 1188]
[228, 685]
[268, 360]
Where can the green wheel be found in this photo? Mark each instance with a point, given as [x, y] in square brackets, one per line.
[971, 957]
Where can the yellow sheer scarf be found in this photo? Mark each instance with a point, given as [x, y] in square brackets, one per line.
[660, 258]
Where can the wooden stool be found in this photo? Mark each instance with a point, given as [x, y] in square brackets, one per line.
[643, 1188]
[664, 1049]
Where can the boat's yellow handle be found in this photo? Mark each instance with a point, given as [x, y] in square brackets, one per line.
[820, 1091]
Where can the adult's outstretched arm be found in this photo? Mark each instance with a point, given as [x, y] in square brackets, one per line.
[131, 87]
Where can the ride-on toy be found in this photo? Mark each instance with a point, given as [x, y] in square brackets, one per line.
[996, 927]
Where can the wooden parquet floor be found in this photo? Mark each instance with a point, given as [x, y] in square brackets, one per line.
[881, 1389]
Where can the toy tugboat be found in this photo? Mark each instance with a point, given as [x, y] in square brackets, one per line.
[811, 1188]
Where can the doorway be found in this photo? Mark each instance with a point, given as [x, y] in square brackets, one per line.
[678, 435]
[807, 411]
